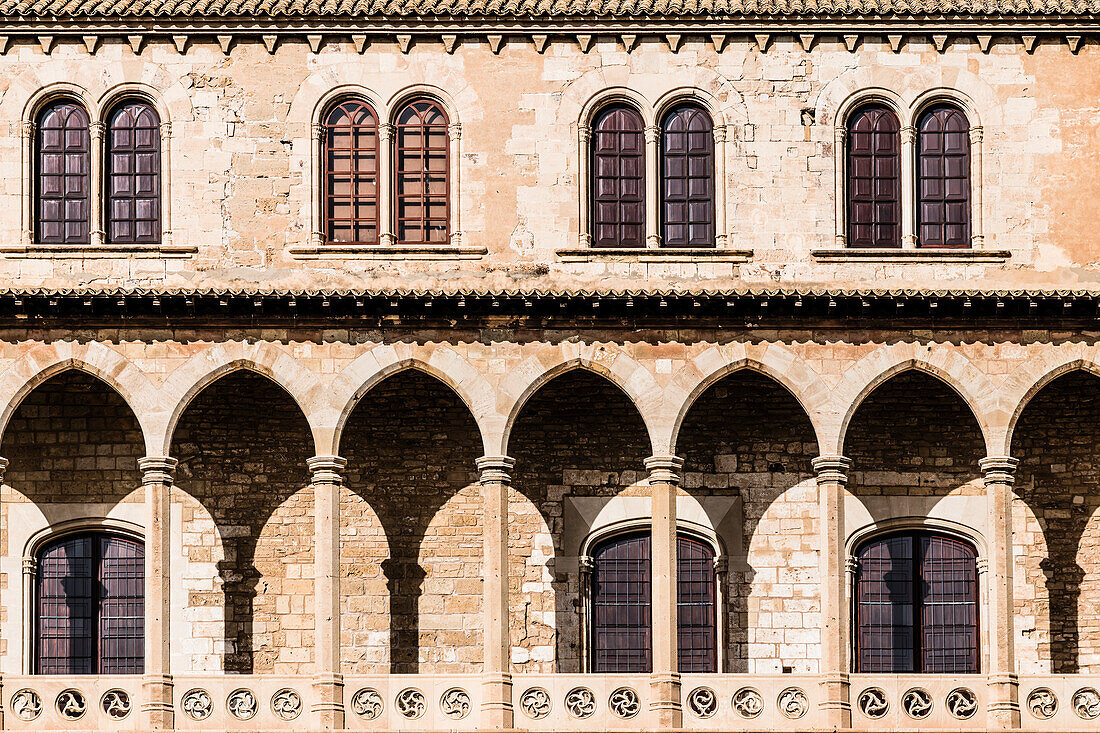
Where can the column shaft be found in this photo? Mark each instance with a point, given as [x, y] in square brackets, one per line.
[496, 708]
[387, 186]
[908, 188]
[665, 682]
[832, 476]
[1004, 686]
[96, 234]
[652, 187]
[157, 710]
[328, 683]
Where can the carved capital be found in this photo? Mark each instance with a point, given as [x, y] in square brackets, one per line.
[327, 469]
[586, 564]
[495, 469]
[721, 565]
[3, 468]
[719, 134]
[165, 130]
[455, 129]
[26, 129]
[385, 132]
[652, 133]
[316, 130]
[664, 469]
[908, 135]
[831, 469]
[999, 469]
[30, 566]
[96, 130]
[584, 134]
[157, 470]
[976, 134]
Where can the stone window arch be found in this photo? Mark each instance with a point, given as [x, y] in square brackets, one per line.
[133, 206]
[873, 177]
[423, 173]
[63, 173]
[688, 206]
[943, 177]
[350, 173]
[618, 185]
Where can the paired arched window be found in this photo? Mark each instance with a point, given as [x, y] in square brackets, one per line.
[63, 160]
[355, 209]
[618, 171]
[622, 623]
[916, 598]
[875, 208]
[90, 605]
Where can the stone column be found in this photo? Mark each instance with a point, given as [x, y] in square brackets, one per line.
[328, 683]
[832, 476]
[27, 133]
[317, 194]
[166, 183]
[840, 172]
[157, 710]
[96, 236]
[652, 186]
[497, 712]
[387, 185]
[721, 239]
[455, 203]
[908, 188]
[3, 468]
[584, 184]
[664, 477]
[999, 473]
[977, 236]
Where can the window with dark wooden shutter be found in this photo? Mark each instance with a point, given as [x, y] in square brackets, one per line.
[423, 174]
[621, 623]
[874, 178]
[697, 606]
[63, 145]
[91, 606]
[133, 174]
[943, 178]
[351, 173]
[687, 178]
[618, 179]
[916, 605]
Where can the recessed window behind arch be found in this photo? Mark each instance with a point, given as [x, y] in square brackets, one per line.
[133, 174]
[943, 177]
[687, 178]
[350, 155]
[916, 600]
[63, 163]
[874, 178]
[90, 605]
[618, 178]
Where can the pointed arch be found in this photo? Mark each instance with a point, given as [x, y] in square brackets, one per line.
[1033, 374]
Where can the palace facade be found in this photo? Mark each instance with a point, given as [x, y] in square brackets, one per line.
[549, 366]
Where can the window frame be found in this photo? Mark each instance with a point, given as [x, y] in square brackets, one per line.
[158, 196]
[850, 159]
[37, 158]
[711, 153]
[593, 155]
[326, 173]
[448, 173]
[926, 111]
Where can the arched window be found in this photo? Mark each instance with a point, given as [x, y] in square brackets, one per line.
[133, 174]
[943, 178]
[423, 174]
[351, 173]
[618, 178]
[62, 156]
[90, 606]
[621, 617]
[874, 178]
[687, 178]
[916, 604]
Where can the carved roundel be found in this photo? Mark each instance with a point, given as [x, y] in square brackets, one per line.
[917, 703]
[116, 704]
[1086, 703]
[748, 702]
[872, 702]
[71, 704]
[242, 704]
[367, 703]
[1043, 703]
[962, 703]
[580, 702]
[793, 703]
[410, 703]
[455, 703]
[197, 703]
[535, 703]
[624, 702]
[702, 702]
[286, 703]
[26, 704]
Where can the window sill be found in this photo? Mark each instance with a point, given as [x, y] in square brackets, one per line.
[911, 255]
[594, 254]
[97, 251]
[387, 252]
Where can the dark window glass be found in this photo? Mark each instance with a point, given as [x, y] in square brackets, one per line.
[621, 611]
[62, 145]
[618, 179]
[351, 173]
[133, 174]
[423, 173]
[687, 179]
[91, 606]
[943, 178]
[874, 178]
[917, 605]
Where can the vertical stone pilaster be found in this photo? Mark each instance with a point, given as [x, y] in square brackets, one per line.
[3, 468]
[999, 473]
[832, 477]
[386, 189]
[652, 186]
[328, 682]
[157, 710]
[96, 234]
[497, 711]
[664, 478]
[908, 189]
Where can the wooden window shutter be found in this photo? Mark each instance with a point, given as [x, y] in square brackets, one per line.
[350, 160]
[133, 175]
[63, 161]
[943, 178]
[621, 623]
[874, 178]
[618, 178]
[696, 606]
[423, 174]
[687, 178]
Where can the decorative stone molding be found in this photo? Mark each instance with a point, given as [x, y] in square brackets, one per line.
[1043, 703]
[197, 704]
[26, 704]
[962, 703]
[495, 469]
[748, 702]
[664, 469]
[286, 704]
[158, 470]
[830, 469]
[367, 703]
[702, 702]
[116, 704]
[536, 703]
[624, 702]
[917, 703]
[872, 702]
[242, 704]
[410, 703]
[326, 469]
[455, 703]
[999, 469]
[580, 701]
[71, 704]
[1086, 703]
[792, 703]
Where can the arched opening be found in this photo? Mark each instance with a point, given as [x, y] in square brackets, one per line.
[412, 448]
[242, 445]
[1058, 478]
[578, 442]
[747, 436]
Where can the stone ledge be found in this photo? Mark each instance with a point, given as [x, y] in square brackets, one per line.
[596, 254]
[97, 251]
[386, 252]
[911, 255]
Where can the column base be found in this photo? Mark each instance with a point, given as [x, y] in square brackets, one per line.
[666, 704]
[328, 711]
[497, 711]
[1003, 710]
[836, 705]
[158, 710]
